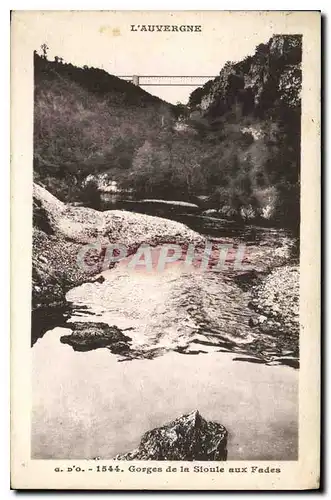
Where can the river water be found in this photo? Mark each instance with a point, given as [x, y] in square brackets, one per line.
[190, 348]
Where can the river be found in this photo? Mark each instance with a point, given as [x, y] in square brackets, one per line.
[190, 347]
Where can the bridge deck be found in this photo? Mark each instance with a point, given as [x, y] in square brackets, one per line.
[168, 80]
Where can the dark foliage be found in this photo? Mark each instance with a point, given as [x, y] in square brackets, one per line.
[236, 142]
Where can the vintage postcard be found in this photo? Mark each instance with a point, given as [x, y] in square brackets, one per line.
[165, 250]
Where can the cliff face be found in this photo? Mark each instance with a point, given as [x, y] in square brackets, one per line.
[189, 437]
[256, 83]
[251, 116]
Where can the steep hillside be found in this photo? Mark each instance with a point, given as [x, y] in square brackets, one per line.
[250, 115]
[87, 121]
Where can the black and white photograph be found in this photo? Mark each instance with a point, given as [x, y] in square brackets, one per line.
[166, 213]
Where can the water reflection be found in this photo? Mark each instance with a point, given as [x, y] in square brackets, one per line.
[86, 404]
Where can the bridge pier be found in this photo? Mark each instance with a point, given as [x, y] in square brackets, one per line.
[135, 80]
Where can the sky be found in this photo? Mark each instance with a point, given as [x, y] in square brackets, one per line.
[104, 39]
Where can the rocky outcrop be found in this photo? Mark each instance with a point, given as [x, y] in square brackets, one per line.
[61, 230]
[256, 104]
[85, 225]
[189, 437]
[273, 72]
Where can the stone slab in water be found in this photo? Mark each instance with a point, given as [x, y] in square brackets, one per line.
[89, 336]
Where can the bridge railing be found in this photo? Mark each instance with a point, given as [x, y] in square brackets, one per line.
[168, 80]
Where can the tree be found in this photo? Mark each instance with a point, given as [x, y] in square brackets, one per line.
[44, 47]
[181, 110]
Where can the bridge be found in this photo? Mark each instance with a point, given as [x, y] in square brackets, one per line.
[167, 80]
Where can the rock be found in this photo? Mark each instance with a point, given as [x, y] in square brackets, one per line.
[173, 203]
[228, 212]
[264, 328]
[251, 78]
[86, 225]
[189, 437]
[248, 213]
[100, 279]
[279, 321]
[253, 322]
[90, 336]
[290, 361]
[210, 211]
[268, 211]
[60, 232]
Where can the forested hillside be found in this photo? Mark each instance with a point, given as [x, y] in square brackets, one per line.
[236, 144]
[88, 122]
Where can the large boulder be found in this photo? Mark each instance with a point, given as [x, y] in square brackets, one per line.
[60, 232]
[189, 437]
[85, 225]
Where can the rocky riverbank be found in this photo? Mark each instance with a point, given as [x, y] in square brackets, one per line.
[61, 230]
[275, 301]
[253, 313]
